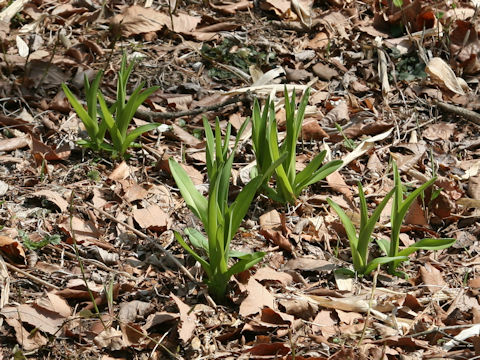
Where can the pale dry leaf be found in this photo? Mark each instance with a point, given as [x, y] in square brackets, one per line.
[121, 172]
[83, 230]
[187, 319]
[258, 297]
[55, 303]
[25, 338]
[22, 47]
[344, 282]
[134, 192]
[47, 321]
[324, 323]
[159, 318]
[54, 197]
[442, 74]
[308, 264]
[440, 131]
[363, 147]
[14, 143]
[269, 274]
[152, 217]
[270, 220]
[111, 339]
[130, 311]
[4, 283]
[473, 189]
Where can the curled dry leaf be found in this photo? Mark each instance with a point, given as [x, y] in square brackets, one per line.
[442, 74]
[12, 249]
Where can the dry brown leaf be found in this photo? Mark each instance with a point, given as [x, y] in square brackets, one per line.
[324, 72]
[416, 215]
[152, 217]
[83, 230]
[270, 316]
[325, 323]
[139, 20]
[432, 277]
[337, 183]
[277, 238]
[187, 320]
[258, 297]
[273, 349]
[311, 130]
[134, 192]
[319, 41]
[186, 137]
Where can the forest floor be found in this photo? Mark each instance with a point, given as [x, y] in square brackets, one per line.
[89, 265]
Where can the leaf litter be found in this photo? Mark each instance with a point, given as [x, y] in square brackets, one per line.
[399, 97]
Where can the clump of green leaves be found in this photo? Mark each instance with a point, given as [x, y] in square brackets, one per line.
[220, 219]
[400, 206]
[359, 243]
[116, 118]
[228, 53]
[36, 245]
[289, 183]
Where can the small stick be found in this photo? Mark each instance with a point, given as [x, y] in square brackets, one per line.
[469, 115]
[32, 277]
[143, 236]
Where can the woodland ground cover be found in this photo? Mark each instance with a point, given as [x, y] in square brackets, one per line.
[90, 266]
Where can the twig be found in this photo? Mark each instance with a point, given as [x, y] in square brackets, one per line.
[80, 263]
[32, 277]
[152, 115]
[92, 261]
[469, 115]
[370, 303]
[146, 237]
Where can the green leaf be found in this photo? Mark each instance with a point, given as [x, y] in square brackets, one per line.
[197, 239]
[372, 265]
[245, 263]
[365, 235]
[136, 99]
[110, 123]
[91, 92]
[135, 133]
[428, 244]
[194, 200]
[384, 245]
[205, 264]
[320, 174]
[306, 174]
[358, 262]
[91, 125]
